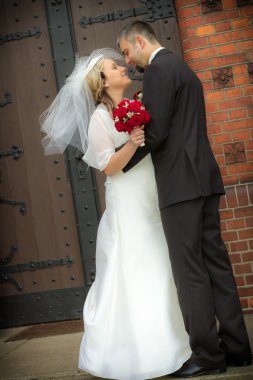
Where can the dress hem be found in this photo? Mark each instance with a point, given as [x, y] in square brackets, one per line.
[151, 375]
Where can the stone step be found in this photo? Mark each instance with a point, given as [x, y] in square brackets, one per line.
[242, 373]
[55, 357]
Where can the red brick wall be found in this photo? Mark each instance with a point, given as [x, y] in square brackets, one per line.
[217, 44]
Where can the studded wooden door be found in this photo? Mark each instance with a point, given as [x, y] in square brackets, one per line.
[50, 206]
[42, 274]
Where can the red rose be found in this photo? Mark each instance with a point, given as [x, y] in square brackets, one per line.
[135, 106]
[129, 125]
[123, 103]
[126, 123]
[138, 95]
[120, 126]
[137, 120]
[120, 113]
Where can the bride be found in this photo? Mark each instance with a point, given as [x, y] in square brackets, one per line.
[133, 325]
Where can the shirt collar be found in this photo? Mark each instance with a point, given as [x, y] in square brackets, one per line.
[154, 54]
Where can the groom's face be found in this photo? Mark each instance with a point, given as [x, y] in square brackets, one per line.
[133, 53]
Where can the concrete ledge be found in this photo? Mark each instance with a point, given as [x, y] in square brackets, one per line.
[244, 373]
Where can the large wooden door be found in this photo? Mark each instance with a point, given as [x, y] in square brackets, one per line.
[50, 206]
[41, 271]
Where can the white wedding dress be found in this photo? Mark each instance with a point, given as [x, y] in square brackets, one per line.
[133, 325]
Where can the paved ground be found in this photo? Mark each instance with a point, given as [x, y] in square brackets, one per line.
[55, 357]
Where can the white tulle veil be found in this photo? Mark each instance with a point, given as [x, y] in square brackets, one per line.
[66, 121]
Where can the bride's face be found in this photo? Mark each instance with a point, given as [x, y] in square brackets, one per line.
[115, 76]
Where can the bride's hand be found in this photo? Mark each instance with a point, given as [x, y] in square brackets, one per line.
[137, 136]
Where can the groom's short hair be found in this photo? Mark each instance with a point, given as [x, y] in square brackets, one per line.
[130, 30]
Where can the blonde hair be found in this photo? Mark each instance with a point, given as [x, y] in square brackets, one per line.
[95, 80]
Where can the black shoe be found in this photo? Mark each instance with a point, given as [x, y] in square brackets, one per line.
[190, 369]
[232, 362]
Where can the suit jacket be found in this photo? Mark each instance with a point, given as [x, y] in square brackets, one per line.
[185, 167]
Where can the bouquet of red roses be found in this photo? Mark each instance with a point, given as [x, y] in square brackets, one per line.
[130, 114]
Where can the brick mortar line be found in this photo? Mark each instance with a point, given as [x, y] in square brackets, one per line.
[232, 109]
[238, 229]
[236, 208]
[231, 120]
[217, 33]
[241, 240]
[221, 55]
[209, 125]
[245, 287]
[226, 133]
[214, 33]
[238, 253]
[212, 45]
[235, 130]
[247, 183]
[214, 22]
[217, 23]
[220, 66]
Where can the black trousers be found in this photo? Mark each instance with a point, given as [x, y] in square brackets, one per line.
[205, 283]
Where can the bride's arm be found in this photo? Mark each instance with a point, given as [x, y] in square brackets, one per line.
[120, 158]
[100, 153]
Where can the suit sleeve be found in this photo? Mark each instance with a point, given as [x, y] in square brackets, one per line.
[159, 100]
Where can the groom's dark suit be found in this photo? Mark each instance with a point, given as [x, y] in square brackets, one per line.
[189, 187]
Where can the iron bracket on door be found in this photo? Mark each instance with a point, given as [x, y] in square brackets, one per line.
[15, 152]
[12, 202]
[31, 266]
[154, 10]
[7, 259]
[7, 100]
[19, 35]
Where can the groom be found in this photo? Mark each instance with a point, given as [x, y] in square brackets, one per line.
[189, 188]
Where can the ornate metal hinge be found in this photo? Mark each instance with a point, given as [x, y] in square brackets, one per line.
[154, 10]
[19, 35]
[30, 266]
[15, 152]
[12, 202]
[6, 260]
[7, 100]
